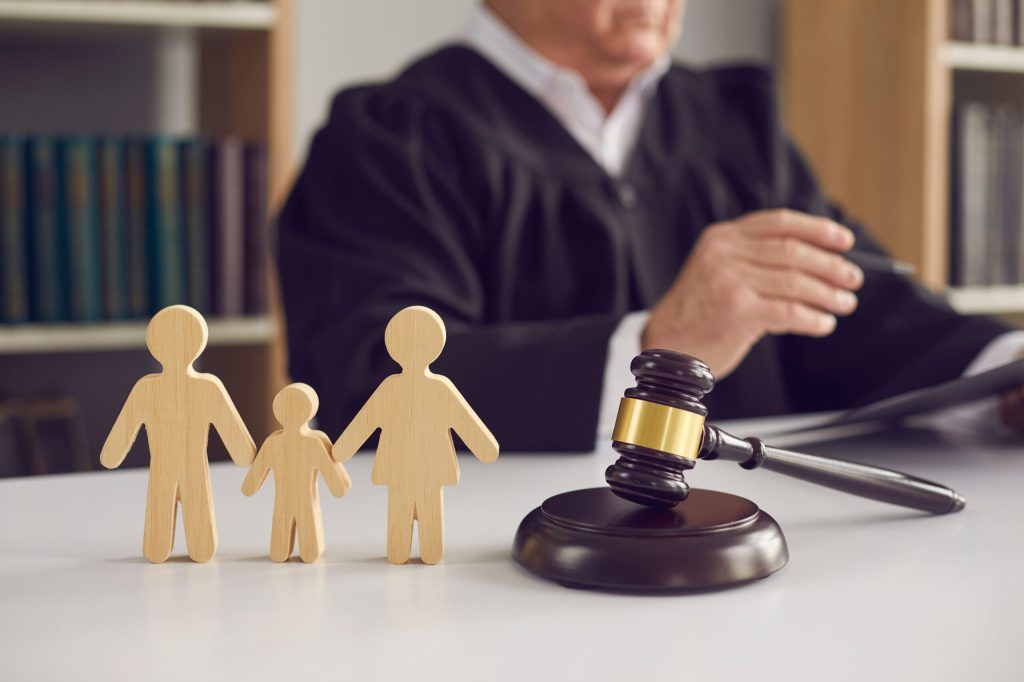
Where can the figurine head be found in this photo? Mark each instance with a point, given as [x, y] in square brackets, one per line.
[414, 337]
[295, 405]
[176, 336]
[659, 428]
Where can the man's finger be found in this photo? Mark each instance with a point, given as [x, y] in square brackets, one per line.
[813, 229]
[794, 285]
[779, 316]
[790, 252]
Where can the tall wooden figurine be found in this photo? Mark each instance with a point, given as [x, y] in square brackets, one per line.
[416, 411]
[295, 454]
[177, 407]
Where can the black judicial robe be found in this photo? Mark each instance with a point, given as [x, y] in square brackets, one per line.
[453, 188]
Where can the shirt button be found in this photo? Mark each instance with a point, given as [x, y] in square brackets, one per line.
[626, 194]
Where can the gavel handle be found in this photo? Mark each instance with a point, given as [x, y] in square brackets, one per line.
[875, 483]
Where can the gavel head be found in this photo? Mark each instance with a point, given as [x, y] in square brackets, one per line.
[659, 428]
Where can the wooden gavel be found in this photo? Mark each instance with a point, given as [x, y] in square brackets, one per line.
[661, 432]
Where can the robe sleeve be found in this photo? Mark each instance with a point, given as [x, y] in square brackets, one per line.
[901, 337]
[387, 213]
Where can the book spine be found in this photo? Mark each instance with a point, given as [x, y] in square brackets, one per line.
[972, 233]
[1002, 24]
[14, 256]
[113, 228]
[227, 231]
[982, 13]
[167, 238]
[81, 221]
[256, 228]
[194, 185]
[960, 20]
[140, 303]
[49, 300]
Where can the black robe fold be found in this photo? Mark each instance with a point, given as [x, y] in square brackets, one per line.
[451, 187]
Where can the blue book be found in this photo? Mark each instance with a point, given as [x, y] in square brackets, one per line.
[166, 227]
[49, 256]
[196, 206]
[14, 290]
[140, 303]
[80, 213]
[113, 228]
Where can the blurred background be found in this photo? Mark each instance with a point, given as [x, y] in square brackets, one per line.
[146, 144]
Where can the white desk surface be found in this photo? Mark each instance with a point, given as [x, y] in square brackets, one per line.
[871, 592]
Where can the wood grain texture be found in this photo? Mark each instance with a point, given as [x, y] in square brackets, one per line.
[177, 407]
[296, 454]
[866, 98]
[416, 411]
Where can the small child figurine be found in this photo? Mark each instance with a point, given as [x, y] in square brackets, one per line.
[295, 454]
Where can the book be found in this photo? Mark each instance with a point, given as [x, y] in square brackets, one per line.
[960, 12]
[256, 228]
[14, 256]
[982, 20]
[166, 227]
[49, 261]
[137, 229]
[969, 236]
[194, 186]
[80, 216]
[227, 211]
[113, 227]
[1003, 22]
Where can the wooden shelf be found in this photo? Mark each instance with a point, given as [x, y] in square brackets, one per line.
[995, 300]
[68, 338]
[975, 57]
[153, 13]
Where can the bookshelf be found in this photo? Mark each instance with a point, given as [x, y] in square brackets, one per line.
[214, 15]
[242, 87]
[868, 92]
[80, 338]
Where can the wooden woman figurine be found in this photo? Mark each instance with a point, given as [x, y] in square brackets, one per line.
[416, 411]
[295, 454]
[177, 407]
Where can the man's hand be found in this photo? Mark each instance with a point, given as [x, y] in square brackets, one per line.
[771, 272]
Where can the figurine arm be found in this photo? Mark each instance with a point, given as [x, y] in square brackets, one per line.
[361, 427]
[335, 476]
[258, 472]
[229, 425]
[471, 429]
[125, 429]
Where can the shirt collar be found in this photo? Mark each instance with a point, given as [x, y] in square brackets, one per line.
[533, 72]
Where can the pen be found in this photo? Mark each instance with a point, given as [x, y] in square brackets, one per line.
[877, 263]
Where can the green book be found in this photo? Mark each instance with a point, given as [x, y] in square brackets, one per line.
[167, 229]
[113, 228]
[49, 257]
[140, 303]
[80, 214]
[195, 206]
[14, 290]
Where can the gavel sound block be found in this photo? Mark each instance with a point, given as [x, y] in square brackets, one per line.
[649, 531]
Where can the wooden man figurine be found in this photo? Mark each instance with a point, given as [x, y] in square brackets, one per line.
[177, 407]
[416, 411]
[295, 454]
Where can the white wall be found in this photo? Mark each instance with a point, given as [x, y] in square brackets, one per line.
[342, 42]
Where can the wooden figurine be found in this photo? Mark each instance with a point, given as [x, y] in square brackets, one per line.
[416, 411]
[177, 407]
[295, 454]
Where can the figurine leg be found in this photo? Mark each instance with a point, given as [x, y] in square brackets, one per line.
[200, 529]
[400, 518]
[282, 535]
[161, 514]
[311, 537]
[430, 519]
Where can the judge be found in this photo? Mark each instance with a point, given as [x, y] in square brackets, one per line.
[564, 196]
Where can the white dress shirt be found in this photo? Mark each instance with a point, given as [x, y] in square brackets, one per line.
[610, 139]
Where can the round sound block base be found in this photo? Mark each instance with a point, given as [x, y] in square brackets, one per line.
[593, 538]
